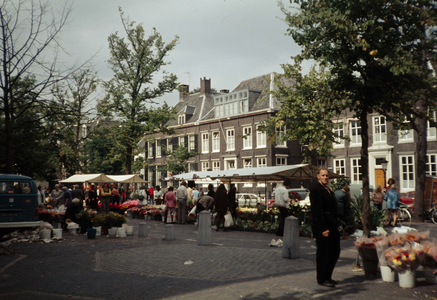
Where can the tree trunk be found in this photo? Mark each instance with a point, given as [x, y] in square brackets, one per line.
[128, 164]
[365, 170]
[420, 162]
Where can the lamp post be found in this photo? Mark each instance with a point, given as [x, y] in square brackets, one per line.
[384, 163]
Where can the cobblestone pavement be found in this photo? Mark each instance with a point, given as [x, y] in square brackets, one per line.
[239, 265]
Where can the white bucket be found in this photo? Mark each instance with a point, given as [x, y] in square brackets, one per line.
[121, 233]
[387, 274]
[46, 234]
[72, 230]
[407, 279]
[57, 233]
[98, 230]
[130, 230]
[112, 232]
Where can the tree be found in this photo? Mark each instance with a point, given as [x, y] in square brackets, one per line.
[375, 49]
[177, 160]
[73, 98]
[136, 62]
[27, 33]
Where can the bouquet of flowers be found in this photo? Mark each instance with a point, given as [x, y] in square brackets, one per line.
[402, 258]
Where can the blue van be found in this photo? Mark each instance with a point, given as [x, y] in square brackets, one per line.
[18, 201]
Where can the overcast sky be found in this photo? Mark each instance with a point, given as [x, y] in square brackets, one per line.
[226, 40]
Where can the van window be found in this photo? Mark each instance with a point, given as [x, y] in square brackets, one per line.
[17, 187]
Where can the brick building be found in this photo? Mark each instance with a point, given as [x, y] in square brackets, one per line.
[214, 123]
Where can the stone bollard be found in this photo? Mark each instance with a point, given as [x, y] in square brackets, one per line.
[204, 229]
[169, 232]
[142, 229]
[291, 241]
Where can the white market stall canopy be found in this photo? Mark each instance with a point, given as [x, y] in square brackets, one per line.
[87, 178]
[277, 173]
[131, 178]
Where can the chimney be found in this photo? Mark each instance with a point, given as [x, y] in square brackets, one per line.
[183, 90]
[205, 86]
[224, 91]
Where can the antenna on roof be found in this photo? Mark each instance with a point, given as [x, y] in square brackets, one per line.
[189, 77]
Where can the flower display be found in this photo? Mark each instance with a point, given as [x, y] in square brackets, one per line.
[195, 176]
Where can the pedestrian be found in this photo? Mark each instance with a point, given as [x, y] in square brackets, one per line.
[72, 210]
[105, 198]
[196, 195]
[142, 195]
[378, 197]
[390, 181]
[221, 203]
[210, 190]
[67, 196]
[324, 228]
[158, 195]
[392, 204]
[151, 195]
[181, 196]
[189, 194]
[77, 193]
[282, 201]
[93, 200]
[56, 196]
[170, 203]
[342, 196]
[41, 196]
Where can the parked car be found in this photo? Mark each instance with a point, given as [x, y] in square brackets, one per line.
[302, 192]
[294, 198]
[408, 198]
[18, 201]
[245, 199]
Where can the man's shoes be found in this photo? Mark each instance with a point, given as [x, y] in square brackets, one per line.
[327, 284]
[333, 281]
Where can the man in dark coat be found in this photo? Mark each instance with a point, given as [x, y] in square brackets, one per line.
[221, 203]
[324, 216]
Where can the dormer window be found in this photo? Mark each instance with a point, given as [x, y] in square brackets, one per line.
[181, 119]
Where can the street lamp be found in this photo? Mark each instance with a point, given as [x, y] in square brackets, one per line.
[384, 163]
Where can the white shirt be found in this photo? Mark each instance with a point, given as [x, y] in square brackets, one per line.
[281, 197]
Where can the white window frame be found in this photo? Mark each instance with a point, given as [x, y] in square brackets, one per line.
[281, 161]
[279, 132]
[339, 132]
[169, 146]
[379, 129]
[261, 162]
[261, 138]
[431, 131]
[182, 141]
[247, 163]
[339, 166]
[191, 142]
[431, 164]
[150, 150]
[216, 165]
[407, 173]
[205, 166]
[356, 170]
[355, 132]
[181, 119]
[230, 139]
[406, 136]
[158, 148]
[227, 163]
[205, 142]
[215, 141]
[321, 162]
[247, 139]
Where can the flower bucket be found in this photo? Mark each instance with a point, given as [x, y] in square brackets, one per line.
[121, 233]
[407, 279]
[112, 232]
[98, 230]
[387, 274]
[57, 233]
[130, 230]
[72, 230]
[91, 233]
[429, 275]
[46, 234]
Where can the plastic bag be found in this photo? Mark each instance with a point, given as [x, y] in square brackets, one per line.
[164, 207]
[228, 219]
[193, 211]
[45, 225]
[381, 246]
[357, 233]
[72, 225]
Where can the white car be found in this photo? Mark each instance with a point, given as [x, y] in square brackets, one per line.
[305, 202]
[244, 199]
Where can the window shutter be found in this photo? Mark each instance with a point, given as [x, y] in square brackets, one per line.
[186, 142]
[154, 149]
[146, 150]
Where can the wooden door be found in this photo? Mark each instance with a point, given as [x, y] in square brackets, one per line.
[379, 178]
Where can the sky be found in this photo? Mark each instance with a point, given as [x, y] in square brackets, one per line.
[227, 41]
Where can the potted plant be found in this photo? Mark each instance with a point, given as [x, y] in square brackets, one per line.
[98, 221]
[84, 218]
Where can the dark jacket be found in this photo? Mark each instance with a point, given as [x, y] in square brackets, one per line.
[221, 200]
[77, 193]
[71, 212]
[342, 201]
[323, 209]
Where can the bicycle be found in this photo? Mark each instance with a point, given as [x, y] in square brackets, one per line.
[403, 215]
[432, 213]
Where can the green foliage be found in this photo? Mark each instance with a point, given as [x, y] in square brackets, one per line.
[136, 61]
[177, 160]
[376, 216]
[339, 183]
[114, 220]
